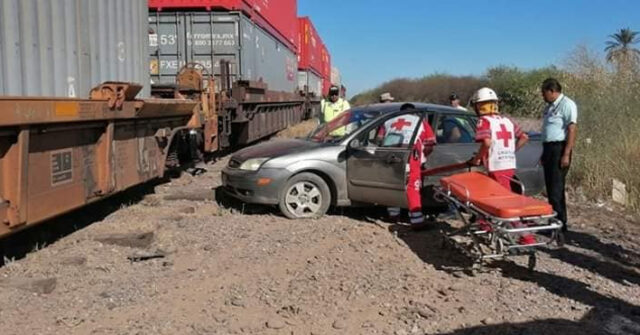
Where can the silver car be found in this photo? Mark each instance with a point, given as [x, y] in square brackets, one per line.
[347, 162]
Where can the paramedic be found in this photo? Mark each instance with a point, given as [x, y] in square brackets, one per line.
[500, 138]
[402, 127]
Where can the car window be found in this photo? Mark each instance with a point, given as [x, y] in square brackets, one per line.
[395, 132]
[455, 129]
[342, 125]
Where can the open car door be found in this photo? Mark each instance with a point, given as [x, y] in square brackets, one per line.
[377, 161]
[455, 135]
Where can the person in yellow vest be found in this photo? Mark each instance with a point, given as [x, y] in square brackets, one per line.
[333, 105]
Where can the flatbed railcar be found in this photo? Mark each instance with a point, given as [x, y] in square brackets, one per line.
[58, 154]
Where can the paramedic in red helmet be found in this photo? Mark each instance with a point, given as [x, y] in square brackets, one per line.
[500, 138]
[402, 127]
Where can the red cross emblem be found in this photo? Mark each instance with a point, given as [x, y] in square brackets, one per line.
[399, 124]
[504, 135]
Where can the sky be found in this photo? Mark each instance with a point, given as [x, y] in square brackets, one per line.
[373, 41]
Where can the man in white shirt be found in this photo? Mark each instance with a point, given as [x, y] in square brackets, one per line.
[559, 130]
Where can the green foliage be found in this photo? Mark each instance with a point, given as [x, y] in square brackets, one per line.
[519, 90]
[608, 144]
[619, 49]
[434, 88]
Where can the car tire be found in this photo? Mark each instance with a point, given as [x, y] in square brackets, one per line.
[304, 196]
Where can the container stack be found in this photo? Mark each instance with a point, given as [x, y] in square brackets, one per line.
[264, 40]
[310, 58]
[326, 69]
[255, 38]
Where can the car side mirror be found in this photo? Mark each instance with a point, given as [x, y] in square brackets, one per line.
[355, 144]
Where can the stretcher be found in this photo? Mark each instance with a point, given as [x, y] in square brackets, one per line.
[494, 218]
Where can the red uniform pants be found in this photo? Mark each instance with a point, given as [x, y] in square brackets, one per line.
[414, 184]
[503, 177]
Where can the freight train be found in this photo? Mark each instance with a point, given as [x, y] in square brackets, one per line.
[97, 96]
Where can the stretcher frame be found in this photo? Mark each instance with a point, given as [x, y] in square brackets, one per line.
[500, 240]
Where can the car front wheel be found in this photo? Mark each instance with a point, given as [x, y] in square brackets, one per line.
[305, 195]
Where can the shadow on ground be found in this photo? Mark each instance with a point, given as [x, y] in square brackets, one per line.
[18, 245]
[364, 213]
[597, 321]
[609, 250]
[224, 200]
[428, 246]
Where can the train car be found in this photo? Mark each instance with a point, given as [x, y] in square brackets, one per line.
[84, 115]
[76, 120]
[254, 68]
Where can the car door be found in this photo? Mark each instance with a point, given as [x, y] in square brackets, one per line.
[377, 161]
[455, 136]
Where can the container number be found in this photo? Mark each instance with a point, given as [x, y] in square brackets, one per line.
[167, 39]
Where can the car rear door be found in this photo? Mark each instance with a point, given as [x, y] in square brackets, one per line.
[376, 163]
[455, 136]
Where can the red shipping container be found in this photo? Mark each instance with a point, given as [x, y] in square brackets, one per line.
[278, 17]
[282, 15]
[309, 47]
[326, 69]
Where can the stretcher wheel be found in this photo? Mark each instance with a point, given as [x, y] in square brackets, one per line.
[445, 243]
[531, 264]
[560, 239]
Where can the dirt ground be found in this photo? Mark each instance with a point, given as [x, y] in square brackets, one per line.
[169, 260]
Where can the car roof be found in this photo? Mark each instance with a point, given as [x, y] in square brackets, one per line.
[384, 108]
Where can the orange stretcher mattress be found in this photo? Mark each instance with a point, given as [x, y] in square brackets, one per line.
[491, 197]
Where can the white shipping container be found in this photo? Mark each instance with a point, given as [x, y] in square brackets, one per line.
[336, 79]
[206, 38]
[63, 48]
[312, 81]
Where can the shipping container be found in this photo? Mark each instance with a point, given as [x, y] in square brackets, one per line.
[206, 38]
[278, 17]
[310, 82]
[65, 48]
[336, 78]
[309, 46]
[326, 69]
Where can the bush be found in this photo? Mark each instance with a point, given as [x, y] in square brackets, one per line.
[608, 143]
[519, 90]
[435, 88]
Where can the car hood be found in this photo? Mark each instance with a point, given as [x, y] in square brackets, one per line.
[273, 149]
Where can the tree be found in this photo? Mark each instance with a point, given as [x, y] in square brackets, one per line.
[620, 50]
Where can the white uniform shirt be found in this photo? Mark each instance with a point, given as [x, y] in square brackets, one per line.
[503, 134]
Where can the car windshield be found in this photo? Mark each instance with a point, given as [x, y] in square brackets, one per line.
[342, 125]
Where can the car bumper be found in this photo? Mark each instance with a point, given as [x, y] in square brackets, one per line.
[244, 185]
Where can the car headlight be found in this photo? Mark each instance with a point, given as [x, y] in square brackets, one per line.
[252, 164]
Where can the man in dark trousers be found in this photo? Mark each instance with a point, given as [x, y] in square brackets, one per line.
[559, 129]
